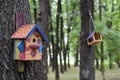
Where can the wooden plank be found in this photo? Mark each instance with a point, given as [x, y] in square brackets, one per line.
[20, 66]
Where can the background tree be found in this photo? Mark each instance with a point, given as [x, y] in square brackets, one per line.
[43, 22]
[86, 52]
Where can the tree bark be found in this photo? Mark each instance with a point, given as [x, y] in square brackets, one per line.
[64, 57]
[35, 11]
[7, 27]
[68, 32]
[44, 15]
[102, 45]
[52, 62]
[57, 49]
[86, 52]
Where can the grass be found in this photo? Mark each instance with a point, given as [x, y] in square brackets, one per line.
[73, 74]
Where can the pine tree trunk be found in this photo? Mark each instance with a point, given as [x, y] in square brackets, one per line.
[64, 57]
[61, 39]
[86, 52]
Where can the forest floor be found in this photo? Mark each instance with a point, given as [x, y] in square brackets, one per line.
[73, 74]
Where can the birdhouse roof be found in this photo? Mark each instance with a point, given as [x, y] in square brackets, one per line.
[26, 30]
[91, 35]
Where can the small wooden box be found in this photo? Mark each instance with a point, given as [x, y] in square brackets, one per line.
[28, 42]
[94, 38]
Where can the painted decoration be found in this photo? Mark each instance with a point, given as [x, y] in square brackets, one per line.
[94, 38]
[28, 42]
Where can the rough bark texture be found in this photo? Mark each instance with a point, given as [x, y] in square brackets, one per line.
[44, 14]
[7, 26]
[86, 52]
[57, 42]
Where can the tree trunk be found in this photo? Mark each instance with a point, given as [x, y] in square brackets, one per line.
[118, 64]
[61, 43]
[110, 61]
[102, 60]
[57, 49]
[97, 58]
[52, 62]
[102, 45]
[44, 15]
[97, 63]
[109, 25]
[68, 53]
[64, 57]
[77, 54]
[35, 11]
[86, 52]
[7, 27]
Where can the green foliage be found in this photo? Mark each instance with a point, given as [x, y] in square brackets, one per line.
[111, 37]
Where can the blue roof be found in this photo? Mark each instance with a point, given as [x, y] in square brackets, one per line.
[36, 27]
[91, 35]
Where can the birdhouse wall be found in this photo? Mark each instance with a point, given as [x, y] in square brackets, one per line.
[33, 44]
[16, 50]
[97, 36]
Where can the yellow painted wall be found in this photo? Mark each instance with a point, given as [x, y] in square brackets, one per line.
[16, 50]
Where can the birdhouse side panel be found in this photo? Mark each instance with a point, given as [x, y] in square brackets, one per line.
[16, 50]
[32, 46]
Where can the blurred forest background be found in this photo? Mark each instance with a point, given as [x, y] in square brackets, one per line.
[65, 19]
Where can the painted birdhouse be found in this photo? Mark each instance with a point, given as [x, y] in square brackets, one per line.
[28, 42]
[93, 38]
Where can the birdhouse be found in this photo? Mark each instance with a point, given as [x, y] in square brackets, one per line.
[93, 38]
[28, 42]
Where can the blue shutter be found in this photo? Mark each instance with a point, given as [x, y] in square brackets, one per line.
[41, 48]
[20, 46]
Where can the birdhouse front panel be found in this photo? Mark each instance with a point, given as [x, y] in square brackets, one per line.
[34, 47]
